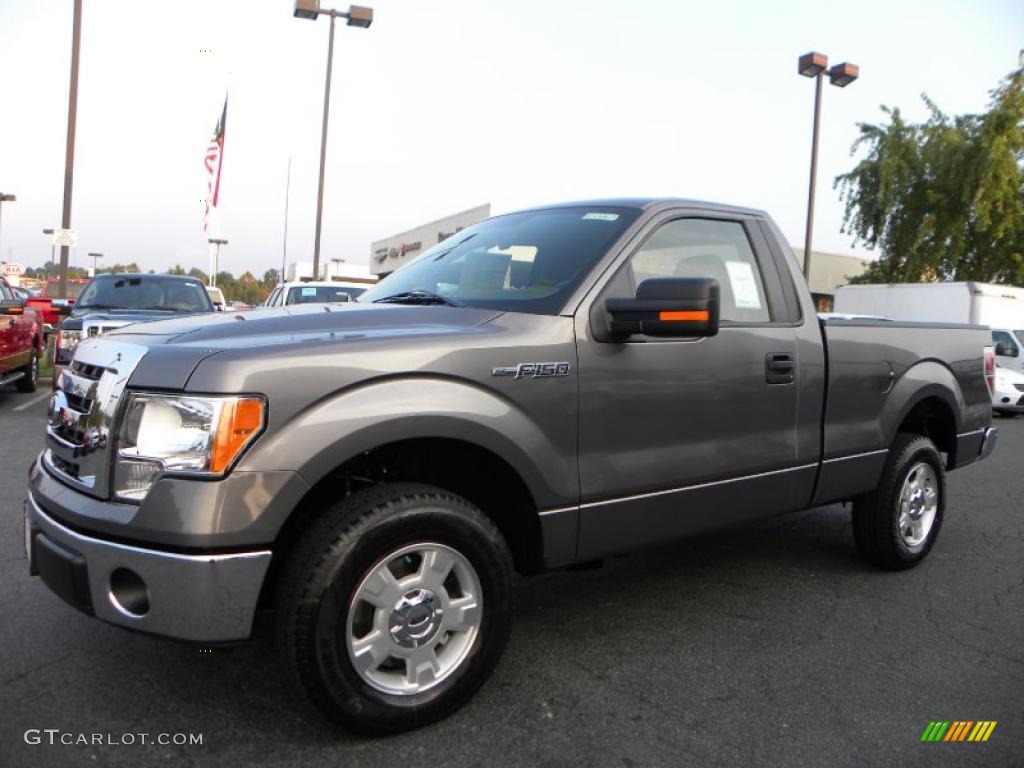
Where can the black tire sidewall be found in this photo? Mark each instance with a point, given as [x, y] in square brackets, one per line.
[920, 450]
[347, 696]
[29, 381]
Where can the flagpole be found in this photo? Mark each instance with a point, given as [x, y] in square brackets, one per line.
[284, 245]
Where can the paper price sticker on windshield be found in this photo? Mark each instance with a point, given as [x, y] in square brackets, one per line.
[744, 286]
[602, 216]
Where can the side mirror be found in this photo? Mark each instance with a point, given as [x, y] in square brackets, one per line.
[1005, 350]
[12, 307]
[682, 307]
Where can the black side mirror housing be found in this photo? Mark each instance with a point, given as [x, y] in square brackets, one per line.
[12, 307]
[680, 307]
[1005, 350]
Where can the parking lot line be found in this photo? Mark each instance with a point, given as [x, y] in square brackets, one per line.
[30, 403]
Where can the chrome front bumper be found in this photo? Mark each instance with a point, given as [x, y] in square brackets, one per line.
[203, 598]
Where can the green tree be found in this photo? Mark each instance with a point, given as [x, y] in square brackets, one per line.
[942, 199]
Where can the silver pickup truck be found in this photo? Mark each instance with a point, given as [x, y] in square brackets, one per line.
[542, 389]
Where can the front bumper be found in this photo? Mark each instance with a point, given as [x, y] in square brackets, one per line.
[203, 598]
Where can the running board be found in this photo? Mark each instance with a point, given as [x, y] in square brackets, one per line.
[11, 378]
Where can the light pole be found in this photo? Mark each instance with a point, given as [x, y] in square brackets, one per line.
[69, 153]
[841, 75]
[95, 262]
[336, 261]
[5, 199]
[218, 242]
[52, 246]
[358, 16]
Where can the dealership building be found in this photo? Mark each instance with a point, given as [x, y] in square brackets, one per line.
[828, 270]
[389, 254]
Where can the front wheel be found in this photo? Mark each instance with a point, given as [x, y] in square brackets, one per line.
[395, 607]
[896, 525]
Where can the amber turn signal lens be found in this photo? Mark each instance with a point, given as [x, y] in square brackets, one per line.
[240, 421]
[696, 315]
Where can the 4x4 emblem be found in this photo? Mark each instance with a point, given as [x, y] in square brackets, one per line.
[533, 370]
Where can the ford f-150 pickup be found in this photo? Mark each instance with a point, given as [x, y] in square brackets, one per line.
[542, 389]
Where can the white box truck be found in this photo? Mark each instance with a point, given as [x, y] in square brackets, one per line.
[1001, 307]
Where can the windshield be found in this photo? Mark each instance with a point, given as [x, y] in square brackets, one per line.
[523, 262]
[145, 293]
[320, 294]
[52, 290]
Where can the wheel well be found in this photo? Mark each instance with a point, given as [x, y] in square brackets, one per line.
[463, 468]
[933, 418]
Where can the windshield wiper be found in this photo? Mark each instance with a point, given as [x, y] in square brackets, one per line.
[419, 296]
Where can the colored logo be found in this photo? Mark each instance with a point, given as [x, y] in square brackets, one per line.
[958, 730]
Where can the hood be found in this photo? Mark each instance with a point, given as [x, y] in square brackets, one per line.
[305, 323]
[120, 316]
[280, 337]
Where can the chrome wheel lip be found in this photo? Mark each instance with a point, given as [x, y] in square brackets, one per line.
[918, 504]
[425, 658]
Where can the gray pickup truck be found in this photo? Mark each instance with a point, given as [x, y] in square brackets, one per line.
[542, 389]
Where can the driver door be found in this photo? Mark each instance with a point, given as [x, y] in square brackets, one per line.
[681, 435]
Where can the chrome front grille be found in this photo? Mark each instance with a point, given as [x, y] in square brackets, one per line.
[91, 329]
[82, 413]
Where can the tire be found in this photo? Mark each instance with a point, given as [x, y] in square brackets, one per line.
[27, 383]
[402, 528]
[896, 525]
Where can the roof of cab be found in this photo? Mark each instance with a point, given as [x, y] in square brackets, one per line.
[650, 203]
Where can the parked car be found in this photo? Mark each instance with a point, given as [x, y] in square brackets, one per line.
[543, 388]
[50, 306]
[287, 294]
[113, 301]
[1008, 392]
[21, 341]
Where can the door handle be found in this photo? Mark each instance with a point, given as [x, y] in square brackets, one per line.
[779, 369]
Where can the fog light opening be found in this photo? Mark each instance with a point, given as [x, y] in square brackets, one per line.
[128, 593]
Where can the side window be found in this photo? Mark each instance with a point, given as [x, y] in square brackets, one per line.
[272, 301]
[707, 248]
[5, 292]
[1004, 338]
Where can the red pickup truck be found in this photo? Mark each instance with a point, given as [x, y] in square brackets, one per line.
[21, 341]
[50, 306]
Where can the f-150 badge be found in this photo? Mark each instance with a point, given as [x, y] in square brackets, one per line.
[533, 370]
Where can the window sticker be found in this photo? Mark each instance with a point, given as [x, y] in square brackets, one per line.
[744, 286]
[602, 216]
[309, 291]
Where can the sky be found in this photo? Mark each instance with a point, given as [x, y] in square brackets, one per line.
[443, 105]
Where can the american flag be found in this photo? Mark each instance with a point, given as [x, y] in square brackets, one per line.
[214, 162]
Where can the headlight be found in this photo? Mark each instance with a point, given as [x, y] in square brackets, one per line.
[182, 434]
[66, 343]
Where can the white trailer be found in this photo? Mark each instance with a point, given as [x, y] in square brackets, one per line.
[1001, 307]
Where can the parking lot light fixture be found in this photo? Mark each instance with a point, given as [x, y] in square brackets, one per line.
[842, 75]
[812, 64]
[357, 16]
[815, 65]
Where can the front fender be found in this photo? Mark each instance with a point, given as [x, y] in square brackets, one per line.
[382, 411]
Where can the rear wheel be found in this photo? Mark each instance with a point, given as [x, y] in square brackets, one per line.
[395, 607]
[27, 383]
[896, 525]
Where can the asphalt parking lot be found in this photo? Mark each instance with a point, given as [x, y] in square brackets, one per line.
[769, 644]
